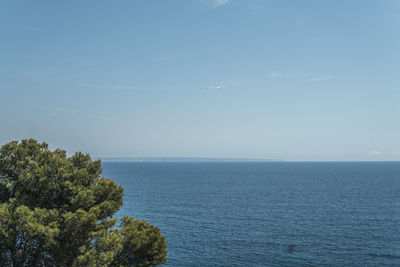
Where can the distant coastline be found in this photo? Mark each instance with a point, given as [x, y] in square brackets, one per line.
[200, 160]
[172, 159]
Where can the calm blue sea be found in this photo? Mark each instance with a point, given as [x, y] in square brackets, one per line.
[268, 214]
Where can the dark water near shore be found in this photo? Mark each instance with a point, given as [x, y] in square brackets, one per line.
[268, 214]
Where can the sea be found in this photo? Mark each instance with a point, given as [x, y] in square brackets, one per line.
[267, 213]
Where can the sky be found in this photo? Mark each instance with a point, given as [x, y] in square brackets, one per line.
[301, 80]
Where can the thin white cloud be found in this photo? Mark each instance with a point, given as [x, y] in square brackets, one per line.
[275, 74]
[118, 87]
[87, 63]
[62, 111]
[162, 58]
[212, 4]
[35, 29]
[217, 3]
[300, 22]
[375, 153]
[254, 8]
[321, 78]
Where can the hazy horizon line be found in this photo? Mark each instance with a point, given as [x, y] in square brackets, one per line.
[217, 159]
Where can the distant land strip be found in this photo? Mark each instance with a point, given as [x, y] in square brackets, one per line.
[173, 159]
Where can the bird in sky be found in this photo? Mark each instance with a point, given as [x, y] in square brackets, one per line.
[217, 87]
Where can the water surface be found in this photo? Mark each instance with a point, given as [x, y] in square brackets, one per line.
[268, 214]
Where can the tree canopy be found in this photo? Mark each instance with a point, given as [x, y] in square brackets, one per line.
[57, 210]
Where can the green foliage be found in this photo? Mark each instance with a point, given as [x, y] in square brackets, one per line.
[57, 211]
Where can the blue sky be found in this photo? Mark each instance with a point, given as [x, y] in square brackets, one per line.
[301, 80]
